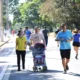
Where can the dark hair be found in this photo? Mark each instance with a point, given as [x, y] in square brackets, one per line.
[19, 32]
[26, 27]
[63, 25]
[20, 28]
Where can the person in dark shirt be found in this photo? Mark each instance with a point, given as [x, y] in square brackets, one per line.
[45, 33]
[56, 32]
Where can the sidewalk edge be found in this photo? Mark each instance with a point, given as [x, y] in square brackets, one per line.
[4, 43]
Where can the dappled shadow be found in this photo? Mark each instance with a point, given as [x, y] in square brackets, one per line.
[74, 74]
[31, 75]
[6, 51]
[54, 71]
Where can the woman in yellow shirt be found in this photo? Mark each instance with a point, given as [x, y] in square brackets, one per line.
[20, 49]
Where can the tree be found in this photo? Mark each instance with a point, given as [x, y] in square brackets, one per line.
[28, 14]
[62, 11]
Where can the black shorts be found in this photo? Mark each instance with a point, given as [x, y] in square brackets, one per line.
[65, 53]
[77, 44]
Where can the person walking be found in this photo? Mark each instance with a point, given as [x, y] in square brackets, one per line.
[65, 36]
[45, 33]
[60, 28]
[20, 49]
[76, 42]
[27, 34]
[37, 37]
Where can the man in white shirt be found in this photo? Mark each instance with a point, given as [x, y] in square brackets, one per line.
[37, 37]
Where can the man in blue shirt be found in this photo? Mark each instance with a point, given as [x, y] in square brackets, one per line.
[28, 34]
[64, 37]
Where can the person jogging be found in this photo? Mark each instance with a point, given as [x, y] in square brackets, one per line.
[76, 42]
[65, 36]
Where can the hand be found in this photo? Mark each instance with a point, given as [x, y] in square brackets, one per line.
[62, 39]
[56, 39]
[68, 40]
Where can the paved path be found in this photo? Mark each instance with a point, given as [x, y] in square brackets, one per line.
[5, 52]
[55, 69]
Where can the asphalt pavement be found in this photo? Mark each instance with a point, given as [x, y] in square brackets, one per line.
[53, 61]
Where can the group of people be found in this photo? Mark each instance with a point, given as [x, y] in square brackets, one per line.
[27, 38]
[63, 37]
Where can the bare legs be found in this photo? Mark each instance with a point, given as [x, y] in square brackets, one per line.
[76, 50]
[65, 62]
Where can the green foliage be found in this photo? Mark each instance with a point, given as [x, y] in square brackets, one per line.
[62, 11]
[30, 15]
[11, 9]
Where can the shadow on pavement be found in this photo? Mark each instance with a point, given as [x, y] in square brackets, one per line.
[54, 71]
[74, 74]
[3, 62]
[31, 75]
[6, 51]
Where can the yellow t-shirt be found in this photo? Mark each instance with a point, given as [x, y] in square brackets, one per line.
[21, 43]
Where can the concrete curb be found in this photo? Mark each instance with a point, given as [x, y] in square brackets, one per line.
[4, 43]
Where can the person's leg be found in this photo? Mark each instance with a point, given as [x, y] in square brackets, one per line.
[63, 59]
[46, 39]
[68, 52]
[76, 50]
[63, 63]
[23, 53]
[67, 61]
[18, 59]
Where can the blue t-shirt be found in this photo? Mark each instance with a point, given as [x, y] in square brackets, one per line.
[65, 36]
[28, 33]
[76, 38]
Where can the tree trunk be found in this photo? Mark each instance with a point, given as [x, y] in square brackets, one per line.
[1, 21]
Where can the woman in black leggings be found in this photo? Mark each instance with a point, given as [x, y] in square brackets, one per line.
[20, 49]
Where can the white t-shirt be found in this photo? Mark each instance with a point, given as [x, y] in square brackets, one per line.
[37, 38]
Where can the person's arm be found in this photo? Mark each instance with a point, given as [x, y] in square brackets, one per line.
[29, 33]
[25, 42]
[57, 39]
[42, 37]
[16, 43]
[31, 40]
[71, 37]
